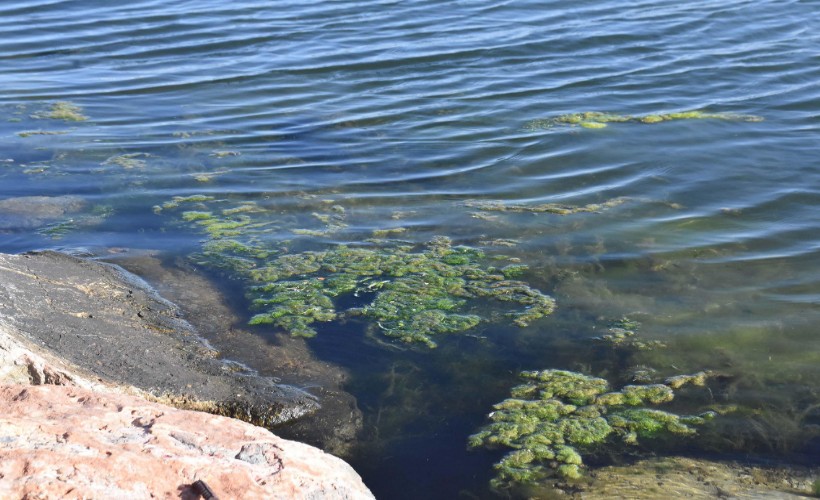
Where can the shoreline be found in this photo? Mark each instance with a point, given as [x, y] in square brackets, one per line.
[74, 339]
[85, 330]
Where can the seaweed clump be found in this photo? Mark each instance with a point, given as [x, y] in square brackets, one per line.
[550, 208]
[556, 415]
[62, 110]
[417, 295]
[410, 293]
[595, 119]
[623, 334]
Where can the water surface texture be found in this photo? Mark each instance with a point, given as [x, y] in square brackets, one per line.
[418, 119]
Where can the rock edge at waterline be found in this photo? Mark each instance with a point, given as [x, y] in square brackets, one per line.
[82, 344]
[107, 323]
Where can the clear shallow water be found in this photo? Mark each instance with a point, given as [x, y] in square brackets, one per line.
[405, 112]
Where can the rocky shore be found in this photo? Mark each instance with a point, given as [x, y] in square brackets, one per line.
[99, 374]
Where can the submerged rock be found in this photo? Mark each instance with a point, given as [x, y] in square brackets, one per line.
[69, 442]
[109, 324]
[28, 212]
[678, 477]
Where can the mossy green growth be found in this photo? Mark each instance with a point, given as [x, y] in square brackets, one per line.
[417, 295]
[128, 161]
[623, 334]
[595, 119]
[62, 110]
[555, 416]
[551, 208]
[410, 293]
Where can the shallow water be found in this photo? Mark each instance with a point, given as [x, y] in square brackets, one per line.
[409, 115]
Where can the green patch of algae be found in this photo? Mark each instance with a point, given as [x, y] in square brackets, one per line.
[418, 294]
[414, 293]
[597, 120]
[550, 208]
[62, 110]
[555, 416]
[623, 334]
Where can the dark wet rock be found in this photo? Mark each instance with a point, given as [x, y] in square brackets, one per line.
[333, 427]
[110, 324]
[27, 212]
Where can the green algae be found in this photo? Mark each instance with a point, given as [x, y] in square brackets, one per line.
[62, 228]
[551, 208]
[62, 110]
[555, 416]
[598, 120]
[225, 154]
[623, 334]
[418, 294]
[30, 133]
[333, 219]
[128, 161]
[413, 294]
[176, 201]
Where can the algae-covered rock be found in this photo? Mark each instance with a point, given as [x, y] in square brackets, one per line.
[556, 415]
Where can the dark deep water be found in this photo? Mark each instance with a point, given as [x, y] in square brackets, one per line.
[410, 114]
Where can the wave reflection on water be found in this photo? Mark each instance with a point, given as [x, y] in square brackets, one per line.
[412, 114]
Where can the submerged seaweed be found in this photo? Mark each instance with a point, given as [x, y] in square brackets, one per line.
[595, 119]
[551, 208]
[417, 292]
[622, 334]
[62, 110]
[556, 415]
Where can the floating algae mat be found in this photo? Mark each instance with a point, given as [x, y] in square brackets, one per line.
[418, 292]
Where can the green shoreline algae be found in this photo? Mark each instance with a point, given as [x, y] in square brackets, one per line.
[551, 208]
[62, 110]
[417, 292]
[597, 120]
[555, 416]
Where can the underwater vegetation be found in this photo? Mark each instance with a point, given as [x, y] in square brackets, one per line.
[622, 334]
[555, 416]
[410, 293]
[595, 119]
[552, 208]
[61, 228]
[418, 294]
[62, 110]
[128, 161]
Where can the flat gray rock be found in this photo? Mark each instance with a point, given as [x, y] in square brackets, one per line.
[110, 323]
[27, 212]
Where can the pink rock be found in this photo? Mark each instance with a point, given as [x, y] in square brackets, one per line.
[69, 442]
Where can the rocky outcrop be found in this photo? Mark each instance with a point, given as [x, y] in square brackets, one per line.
[333, 427]
[83, 344]
[111, 326]
[70, 442]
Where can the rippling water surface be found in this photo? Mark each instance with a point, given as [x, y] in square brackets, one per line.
[411, 116]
